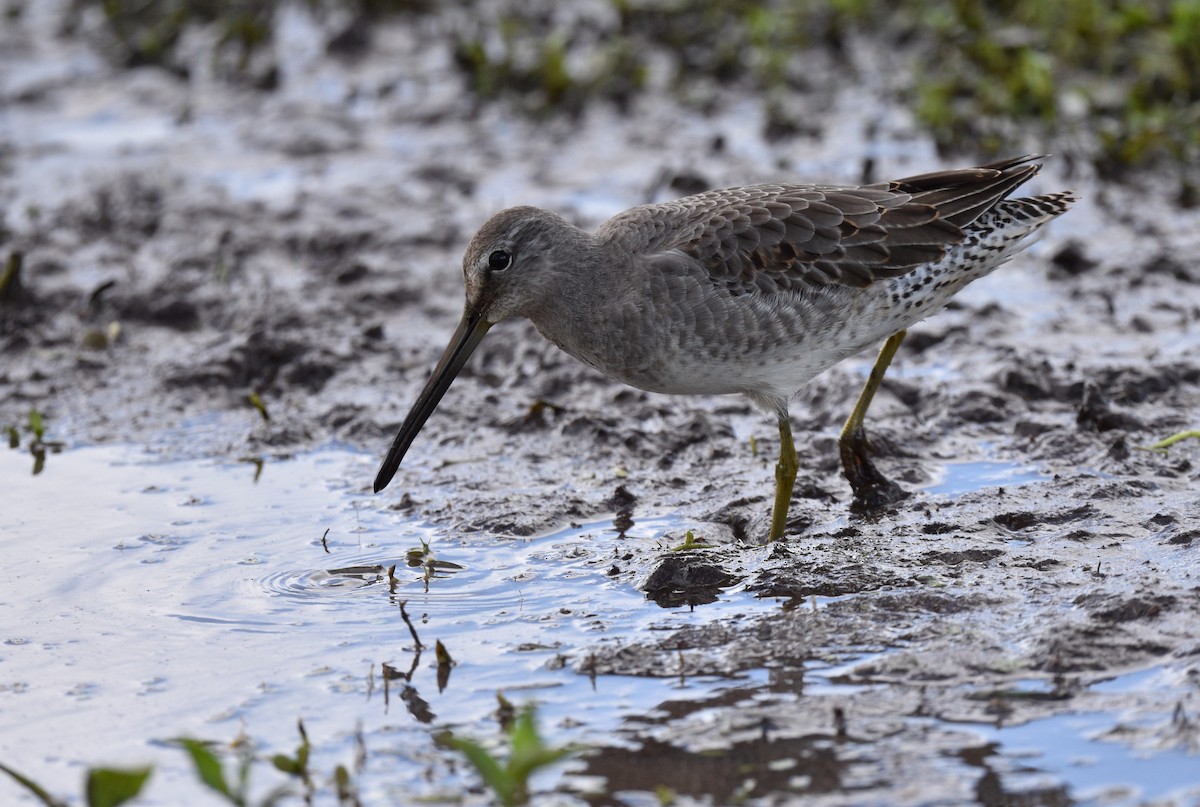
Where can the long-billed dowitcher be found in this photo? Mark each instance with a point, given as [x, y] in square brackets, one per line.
[753, 290]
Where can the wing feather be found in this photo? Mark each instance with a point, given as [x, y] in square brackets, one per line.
[782, 238]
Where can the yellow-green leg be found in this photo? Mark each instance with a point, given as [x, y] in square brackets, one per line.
[785, 477]
[871, 488]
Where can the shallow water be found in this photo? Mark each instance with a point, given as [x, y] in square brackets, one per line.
[957, 478]
[198, 598]
[149, 599]
[1082, 753]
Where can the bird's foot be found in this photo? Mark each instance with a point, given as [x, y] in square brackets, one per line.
[872, 490]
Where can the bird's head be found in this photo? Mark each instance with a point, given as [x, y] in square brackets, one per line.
[510, 265]
[508, 271]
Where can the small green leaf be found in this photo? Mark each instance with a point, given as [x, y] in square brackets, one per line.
[36, 425]
[108, 787]
[94, 339]
[524, 732]
[690, 542]
[489, 769]
[345, 788]
[257, 402]
[10, 278]
[302, 751]
[506, 712]
[208, 768]
[33, 787]
[529, 751]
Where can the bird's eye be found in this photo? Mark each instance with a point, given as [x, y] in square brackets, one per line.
[499, 260]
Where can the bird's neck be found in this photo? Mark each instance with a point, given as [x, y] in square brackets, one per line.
[582, 308]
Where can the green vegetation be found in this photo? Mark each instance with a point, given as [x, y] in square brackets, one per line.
[10, 278]
[146, 32]
[690, 543]
[257, 402]
[38, 444]
[431, 567]
[1162, 445]
[103, 787]
[1117, 79]
[37, 425]
[509, 779]
[523, 57]
[527, 753]
[109, 787]
[1121, 76]
[211, 771]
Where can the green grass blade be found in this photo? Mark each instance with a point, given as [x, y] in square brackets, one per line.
[208, 768]
[33, 787]
[489, 769]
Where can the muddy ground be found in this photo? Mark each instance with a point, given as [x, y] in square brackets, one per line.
[187, 243]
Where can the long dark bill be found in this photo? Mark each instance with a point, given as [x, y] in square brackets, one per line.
[469, 333]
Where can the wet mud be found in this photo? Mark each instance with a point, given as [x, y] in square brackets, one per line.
[184, 245]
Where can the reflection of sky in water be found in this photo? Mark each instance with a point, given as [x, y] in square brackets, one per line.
[1072, 747]
[957, 478]
[185, 597]
[189, 599]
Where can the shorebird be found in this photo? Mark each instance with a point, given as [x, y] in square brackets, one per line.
[752, 290]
